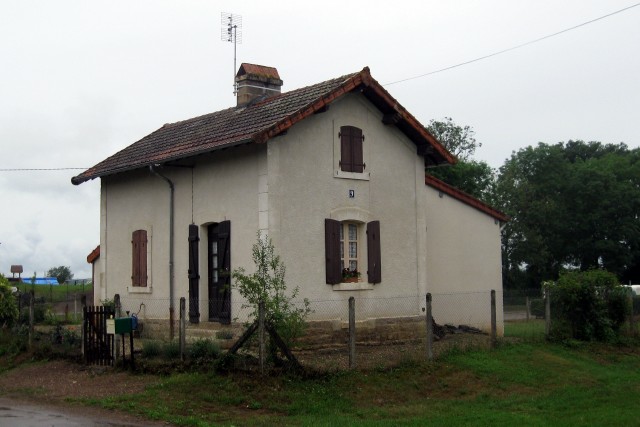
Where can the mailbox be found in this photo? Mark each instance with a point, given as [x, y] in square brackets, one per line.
[123, 325]
[111, 326]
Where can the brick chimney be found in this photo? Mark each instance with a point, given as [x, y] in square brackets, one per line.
[256, 82]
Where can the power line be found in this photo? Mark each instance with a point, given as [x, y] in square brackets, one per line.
[514, 47]
[38, 169]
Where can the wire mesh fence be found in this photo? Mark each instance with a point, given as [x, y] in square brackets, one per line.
[539, 314]
[54, 303]
[387, 330]
[524, 314]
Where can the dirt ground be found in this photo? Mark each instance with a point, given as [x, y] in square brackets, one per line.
[51, 384]
[372, 356]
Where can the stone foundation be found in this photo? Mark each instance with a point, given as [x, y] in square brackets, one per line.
[393, 330]
[319, 333]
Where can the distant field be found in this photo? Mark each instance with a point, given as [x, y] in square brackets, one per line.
[56, 293]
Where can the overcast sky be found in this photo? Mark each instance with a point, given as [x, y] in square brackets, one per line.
[80, 80]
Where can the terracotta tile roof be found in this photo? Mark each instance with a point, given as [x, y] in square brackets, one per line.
[259, 70]
[94, 255]
[259, 122]
[464, 197]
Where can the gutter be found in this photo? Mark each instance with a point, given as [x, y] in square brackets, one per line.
[171, 232]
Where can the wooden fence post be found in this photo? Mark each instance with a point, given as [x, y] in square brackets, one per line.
[352, 333]
[494, 335]
[547, 311]
[183, 327]
[527, 303]
[429, 329]
[261, 336]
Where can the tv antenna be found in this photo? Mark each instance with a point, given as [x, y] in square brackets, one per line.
[232, 32]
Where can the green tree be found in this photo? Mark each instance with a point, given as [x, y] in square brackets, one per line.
[8, 304]
[267, 284]
[458, 140]
[61, 273]
[572, 206]
[474, 177]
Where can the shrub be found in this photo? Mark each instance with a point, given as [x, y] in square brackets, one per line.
[39, 311]
[109, 303]
[8, 304]
[151, 348]
[171, 350]
[589, 305]
[204, 349]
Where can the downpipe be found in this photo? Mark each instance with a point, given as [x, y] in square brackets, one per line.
[171, 227]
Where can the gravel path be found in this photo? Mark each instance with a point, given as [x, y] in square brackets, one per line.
[47, 385]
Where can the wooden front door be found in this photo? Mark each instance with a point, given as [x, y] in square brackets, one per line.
[220, 272]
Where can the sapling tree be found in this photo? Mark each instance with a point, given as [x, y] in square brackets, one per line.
[267, 284]
[8, 304]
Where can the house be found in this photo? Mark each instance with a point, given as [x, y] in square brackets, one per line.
[334, 173]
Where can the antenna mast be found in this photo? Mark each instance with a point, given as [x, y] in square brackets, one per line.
[232, 32]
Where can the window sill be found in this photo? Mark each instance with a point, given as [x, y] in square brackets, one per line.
[139, 289]
[364, 176]
[356, 286]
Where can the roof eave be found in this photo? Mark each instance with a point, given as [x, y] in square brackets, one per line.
[84, 177]
[465, 198]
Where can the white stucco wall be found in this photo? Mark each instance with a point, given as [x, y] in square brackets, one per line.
[287, 188]
[463, 262]
[216, 188]
[304, 189]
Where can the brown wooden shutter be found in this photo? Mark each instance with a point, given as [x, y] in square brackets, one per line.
[356, 150]
[139, 258]
[374, 271]
[135, 259]
[351, 152]
[194, 274]
[224, 251]
[332, 251]
[346, 160]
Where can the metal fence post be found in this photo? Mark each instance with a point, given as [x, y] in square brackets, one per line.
[261, 343]
[83, 303]
[183, 326]
[429, 329]
[494, 335]
[632, 320]
[352, 333]
[117, 309]
[32, 300]
[547, 311]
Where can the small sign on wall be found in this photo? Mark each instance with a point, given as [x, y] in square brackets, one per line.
[352, 194]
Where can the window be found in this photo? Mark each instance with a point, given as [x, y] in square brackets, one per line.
[351, 153]
[349, 251]
[139, 256]
[342, 251]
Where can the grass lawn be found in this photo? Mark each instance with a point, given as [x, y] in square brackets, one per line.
[520, 384]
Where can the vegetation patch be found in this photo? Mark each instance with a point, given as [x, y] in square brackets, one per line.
[523, 384]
